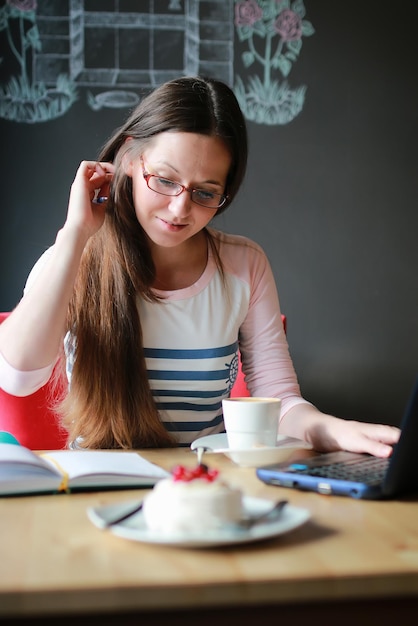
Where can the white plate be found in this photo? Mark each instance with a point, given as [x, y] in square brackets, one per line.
[135, 528]
[253, 457]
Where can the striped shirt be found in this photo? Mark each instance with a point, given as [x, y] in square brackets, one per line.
[192, 336]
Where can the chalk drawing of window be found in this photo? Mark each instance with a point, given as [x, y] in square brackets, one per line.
[111, 51]
[114, 49]
[120, 47]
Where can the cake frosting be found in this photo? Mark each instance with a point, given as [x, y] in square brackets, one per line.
[191, 500]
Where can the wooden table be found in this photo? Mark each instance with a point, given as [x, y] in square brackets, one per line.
[354, 562]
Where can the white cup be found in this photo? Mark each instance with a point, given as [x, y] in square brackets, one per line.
[251, 422]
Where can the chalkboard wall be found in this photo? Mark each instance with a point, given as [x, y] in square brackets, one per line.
[331, 196]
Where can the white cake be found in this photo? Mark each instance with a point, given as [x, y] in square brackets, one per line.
[191, 501]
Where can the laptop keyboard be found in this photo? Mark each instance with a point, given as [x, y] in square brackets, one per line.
[368, 470]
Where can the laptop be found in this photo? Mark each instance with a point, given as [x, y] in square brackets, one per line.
[353, 474]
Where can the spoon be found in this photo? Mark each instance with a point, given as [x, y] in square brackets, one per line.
[200, 452]
[244, 523]
[252, 520]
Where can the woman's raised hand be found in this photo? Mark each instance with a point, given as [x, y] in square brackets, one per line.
[92, 181]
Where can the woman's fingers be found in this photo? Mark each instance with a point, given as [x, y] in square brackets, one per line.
[99, 175]
[96, 169]
[91, 181]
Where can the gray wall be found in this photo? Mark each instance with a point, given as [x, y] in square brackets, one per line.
[330, 196]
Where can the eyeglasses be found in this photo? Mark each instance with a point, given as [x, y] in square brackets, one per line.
[167, 187]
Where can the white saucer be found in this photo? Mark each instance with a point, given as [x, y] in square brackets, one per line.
[135, 528]
[253, 457]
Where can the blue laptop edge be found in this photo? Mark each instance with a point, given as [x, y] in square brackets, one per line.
[400, 477]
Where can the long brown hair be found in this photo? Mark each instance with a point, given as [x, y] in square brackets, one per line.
[110, 403]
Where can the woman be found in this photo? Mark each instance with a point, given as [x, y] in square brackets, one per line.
[152, 302]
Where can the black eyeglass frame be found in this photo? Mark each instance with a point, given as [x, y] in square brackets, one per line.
[222, 197]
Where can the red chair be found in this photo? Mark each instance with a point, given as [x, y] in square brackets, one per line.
[31, 419]
[240, 389]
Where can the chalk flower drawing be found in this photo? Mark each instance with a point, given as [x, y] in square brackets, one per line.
[21, 99]
[273, 31]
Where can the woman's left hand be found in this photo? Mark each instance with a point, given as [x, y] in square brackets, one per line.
[327, 433]
[375, 439]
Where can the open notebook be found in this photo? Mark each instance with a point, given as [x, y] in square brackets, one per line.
[23, 471]
[356, 475]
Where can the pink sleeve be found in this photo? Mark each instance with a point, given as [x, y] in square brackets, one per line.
[19, 383]
[266, 361]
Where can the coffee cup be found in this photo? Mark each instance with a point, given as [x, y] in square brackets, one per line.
[251, 422]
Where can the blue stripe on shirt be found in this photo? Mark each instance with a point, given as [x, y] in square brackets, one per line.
[188, 375]
[201, 353]
[187, 406]
[176, 393]
[191, 426]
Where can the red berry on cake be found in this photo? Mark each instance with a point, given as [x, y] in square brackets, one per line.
[180, 472]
